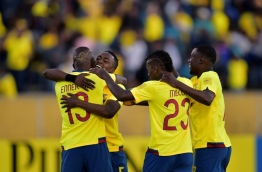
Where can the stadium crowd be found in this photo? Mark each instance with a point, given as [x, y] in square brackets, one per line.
[40, 34]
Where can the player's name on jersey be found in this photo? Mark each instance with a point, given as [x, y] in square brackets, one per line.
[69, 87]
[174, 93]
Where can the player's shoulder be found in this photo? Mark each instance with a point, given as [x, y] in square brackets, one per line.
[146, 85]
[151, 83]
[209, 74]
[88, 75]
[185, 80]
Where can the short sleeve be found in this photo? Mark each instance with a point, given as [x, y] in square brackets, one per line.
[142, 92]
[209, 81]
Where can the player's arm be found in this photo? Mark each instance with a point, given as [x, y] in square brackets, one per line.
[106, 111]
[132, 102]
[80, 80]
[117, 91]
[54, 75]
[205, 97]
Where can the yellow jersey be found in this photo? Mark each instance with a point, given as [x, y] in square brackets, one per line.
[208, 122]
[79, 127]
[114, 138]
[168, 109]
[8, 86]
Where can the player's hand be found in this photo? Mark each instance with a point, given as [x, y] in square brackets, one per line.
[175, 72]
[84, 82]
[70, 101]
[102, 73]
[169, 79]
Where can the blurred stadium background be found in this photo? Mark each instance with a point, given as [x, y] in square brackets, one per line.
[40, 34]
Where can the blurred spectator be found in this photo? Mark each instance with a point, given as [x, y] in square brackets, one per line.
[134, 50]
[239, 42]
[7, 83]
[254, 59]
[19, 47]
[237, 73]
[221, 24]
[2, 27]
[183, 23]
[223, 57]
[109, 23]
[248, 25]
[154, 24]
[40, 34]
[217, 5]
[204, 31]
[171, 47]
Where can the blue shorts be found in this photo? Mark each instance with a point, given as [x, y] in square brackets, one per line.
[91, 158]
[176, 163]
[119, 161]
[212, 159]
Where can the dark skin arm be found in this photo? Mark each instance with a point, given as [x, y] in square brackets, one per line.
[58, 75]
[106, 111]
[205, 97]
[132, 102]
[54, 74]
[81, 80]
[118, 92]
[119, 79]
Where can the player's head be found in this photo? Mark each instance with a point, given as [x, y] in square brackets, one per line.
[83, 59]
[157, 62]
[107, 60]
[203, 58]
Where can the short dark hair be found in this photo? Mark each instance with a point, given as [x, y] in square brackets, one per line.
[163, 57]
[208, 51]
[81, 53]
[115, 57]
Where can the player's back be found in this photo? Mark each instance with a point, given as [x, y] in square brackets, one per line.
[168, 106]
[80, 127]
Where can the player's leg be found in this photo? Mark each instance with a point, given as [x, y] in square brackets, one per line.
[98, 158]
[156, 163]
[210, 159]
[183, 162]
[226, 159]
[119, 161]
[72, 161]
